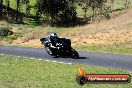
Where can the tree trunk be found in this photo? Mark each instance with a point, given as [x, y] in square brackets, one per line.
[17, 11]
[7, 8]
[1, 3]
[85, 12]
[27, 8]
[126, 4]
[72, 1]
[111, 6]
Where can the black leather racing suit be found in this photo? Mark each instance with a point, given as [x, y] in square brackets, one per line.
[52, 47]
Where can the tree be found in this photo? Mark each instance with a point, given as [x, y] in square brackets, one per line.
[111, 2]
[84, 5]
[95, 5]
[57, 9]
[27, 8]
[7, 7]
[1, 3]
[17, 10]
[99, 9]
[127, 3]
[18, 13]
[26, 2]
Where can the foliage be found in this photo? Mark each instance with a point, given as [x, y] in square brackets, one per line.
[20, 11]
[12, 37]
[95, 5]
[105, 11]
[5, 31]
[56, 9]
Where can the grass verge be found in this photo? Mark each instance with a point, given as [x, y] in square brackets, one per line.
[19, 72]
[120, 48]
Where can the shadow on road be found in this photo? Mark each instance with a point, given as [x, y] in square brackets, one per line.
[83, 58]
[71, 57]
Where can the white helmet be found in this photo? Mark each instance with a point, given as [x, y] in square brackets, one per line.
[53, 35]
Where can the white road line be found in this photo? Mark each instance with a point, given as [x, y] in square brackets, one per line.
[54, 61]
[46, 60]
[60, 62]
[2, 54]
[68, 63]
[40, 59]
[32, 58]
[18, 56]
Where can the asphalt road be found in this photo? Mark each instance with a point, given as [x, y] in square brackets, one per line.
[90, 58]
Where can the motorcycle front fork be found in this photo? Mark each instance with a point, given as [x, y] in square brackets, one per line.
[49, 51]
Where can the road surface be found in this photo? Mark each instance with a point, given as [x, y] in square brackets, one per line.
[90, 58]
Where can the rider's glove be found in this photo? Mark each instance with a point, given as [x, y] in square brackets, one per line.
[52, 46]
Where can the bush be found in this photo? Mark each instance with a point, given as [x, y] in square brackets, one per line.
[68, 15]
[5, 31]
[12, 37]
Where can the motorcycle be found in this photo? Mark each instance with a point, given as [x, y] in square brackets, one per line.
[62, 48]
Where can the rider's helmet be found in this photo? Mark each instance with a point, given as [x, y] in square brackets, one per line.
[53, 35]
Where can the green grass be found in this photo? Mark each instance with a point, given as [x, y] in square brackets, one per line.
[118, 4]
[24, 73]
[23, 9]
[122, 48]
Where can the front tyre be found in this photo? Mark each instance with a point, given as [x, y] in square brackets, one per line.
[74, 54]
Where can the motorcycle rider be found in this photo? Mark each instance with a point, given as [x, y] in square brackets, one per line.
[53, 39]
[58, 47]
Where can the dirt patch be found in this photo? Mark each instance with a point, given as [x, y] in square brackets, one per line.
[30, 43]
[3, 22]
[35, 42]
[15, 29]
[117, 29]
[107, 37]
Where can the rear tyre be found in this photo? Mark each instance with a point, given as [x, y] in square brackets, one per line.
[74, 54]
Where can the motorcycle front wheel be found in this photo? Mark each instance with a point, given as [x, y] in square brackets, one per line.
[74, 53]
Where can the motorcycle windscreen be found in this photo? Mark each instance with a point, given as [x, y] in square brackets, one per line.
[43, 40]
